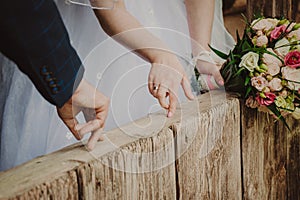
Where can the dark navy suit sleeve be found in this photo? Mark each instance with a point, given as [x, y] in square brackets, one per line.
[33, 35]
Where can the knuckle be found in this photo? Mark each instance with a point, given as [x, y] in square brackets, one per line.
[160, 95]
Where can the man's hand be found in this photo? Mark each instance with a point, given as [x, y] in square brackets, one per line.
[94, 106]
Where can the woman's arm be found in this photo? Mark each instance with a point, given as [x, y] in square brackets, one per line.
[200, 16]
[166, 72]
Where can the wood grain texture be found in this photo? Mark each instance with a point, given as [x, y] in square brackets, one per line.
[141, 170]
[65, 187]
[270, 156]
[209, 167]
[204, 136]
[272, 8]
[110, 171]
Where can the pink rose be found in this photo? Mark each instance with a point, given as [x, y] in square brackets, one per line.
[268, 100]
[259, 82]
[262, 40]
[278, 31]
[292, 59]
[275, 84]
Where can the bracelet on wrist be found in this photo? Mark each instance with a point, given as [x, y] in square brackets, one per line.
[203, 56]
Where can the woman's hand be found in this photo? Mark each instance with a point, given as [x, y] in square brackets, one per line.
[166, 73]
[165, 77]
[212, 69]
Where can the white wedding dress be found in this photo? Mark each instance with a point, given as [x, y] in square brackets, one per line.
[29, 124]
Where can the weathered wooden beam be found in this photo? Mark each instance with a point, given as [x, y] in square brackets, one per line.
[272, 8]
[270, 158]
[141, 170]
[137, 162]
[210, 168]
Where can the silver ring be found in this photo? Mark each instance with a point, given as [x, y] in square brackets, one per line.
[155, 87]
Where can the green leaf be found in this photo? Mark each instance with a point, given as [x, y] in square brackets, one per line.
[219, 53]
[249, 89]
[277, 113]
[246, 46]
[292, 81]
[239, 72]
[247, 80]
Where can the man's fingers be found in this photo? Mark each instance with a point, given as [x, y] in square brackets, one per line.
[94, 138]
[71, 124]
[90, 126]
[186, 86]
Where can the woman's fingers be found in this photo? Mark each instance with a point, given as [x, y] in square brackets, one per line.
[210, 69]
[162, 94]
[172, 103]
[218, 77]
[186, 86]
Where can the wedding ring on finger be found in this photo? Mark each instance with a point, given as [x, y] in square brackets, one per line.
[155, 87]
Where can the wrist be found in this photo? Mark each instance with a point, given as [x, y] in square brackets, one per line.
[162, 57]
[205, 56]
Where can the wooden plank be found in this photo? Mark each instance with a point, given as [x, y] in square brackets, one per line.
[142, 170]
[209, 144]
[272, 8]
[293, 160]
[65, 187]
[48, 174]
[270, 157]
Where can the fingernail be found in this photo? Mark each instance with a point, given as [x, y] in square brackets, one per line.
[170, 114]
[221, 82]
[90, 147]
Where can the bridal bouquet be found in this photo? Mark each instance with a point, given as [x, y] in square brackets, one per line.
[264, 67]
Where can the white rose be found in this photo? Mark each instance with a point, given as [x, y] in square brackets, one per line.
[261, 41]
[294, 34]
[296, 113]
[275, 84]
[297, 46]
[249, 61]
[291, 74]
[264, 24]
[273, 21]
[282, 50]
[272, 62]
